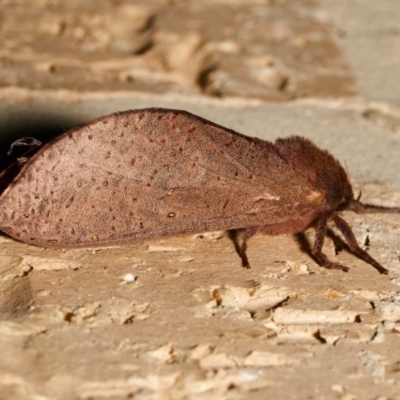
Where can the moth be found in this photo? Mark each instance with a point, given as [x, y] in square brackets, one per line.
[152, 173]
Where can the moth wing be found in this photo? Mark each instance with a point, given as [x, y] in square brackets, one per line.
[147, 174]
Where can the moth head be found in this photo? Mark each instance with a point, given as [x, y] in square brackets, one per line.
[324, 172]
[344, 203]
[347, 198]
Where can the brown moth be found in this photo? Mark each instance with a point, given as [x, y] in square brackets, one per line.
[153, 173]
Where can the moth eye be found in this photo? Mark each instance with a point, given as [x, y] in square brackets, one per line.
[343, 204]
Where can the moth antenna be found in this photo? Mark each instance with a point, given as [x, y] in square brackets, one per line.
[359, 196]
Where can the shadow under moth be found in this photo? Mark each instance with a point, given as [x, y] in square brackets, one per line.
[152, 173]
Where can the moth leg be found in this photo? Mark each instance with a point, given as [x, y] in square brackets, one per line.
[316, 251]
[248, 233]
[354, 247]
